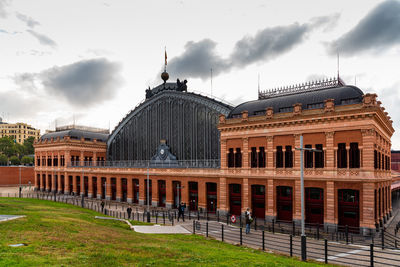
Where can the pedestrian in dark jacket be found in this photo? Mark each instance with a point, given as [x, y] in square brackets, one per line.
[102, 206]
[129, 211]
[181, 211]
[248, 220]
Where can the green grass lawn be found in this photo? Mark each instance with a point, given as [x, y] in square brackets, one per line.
[65, 235]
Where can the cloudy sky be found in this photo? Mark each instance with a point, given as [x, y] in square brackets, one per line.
[92, 60]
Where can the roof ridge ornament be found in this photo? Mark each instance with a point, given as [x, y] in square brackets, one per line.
[325, 83]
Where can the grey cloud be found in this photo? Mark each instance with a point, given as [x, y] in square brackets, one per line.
[84, 82]
[197, 60]
[379, 29]
[43, 39]
[3, 12]
[30, 22]
[18, 105]
[269, 43]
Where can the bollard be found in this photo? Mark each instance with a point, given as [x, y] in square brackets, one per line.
[347, 234]
[156, 217]
[222, 232]
[255, 223]
[383, 238]
[194, 226]
[217, 216]
[207, 230]
[317, 231]
[293, 228]
[326, 251]
[172, 220]
[273, 226]
[371, 255]
[291, 245]
[240, 221]
[263, 240]
[163, 218]
[241, 236]
[198, 215]
[303, 248]
[207, 215]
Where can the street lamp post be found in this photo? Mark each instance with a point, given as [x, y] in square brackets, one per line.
[303, 234]
[20, 181]
[148, 192]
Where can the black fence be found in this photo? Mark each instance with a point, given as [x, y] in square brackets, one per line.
[379, 249]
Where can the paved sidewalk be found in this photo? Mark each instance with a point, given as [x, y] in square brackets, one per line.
[158, 229]
[4, 218]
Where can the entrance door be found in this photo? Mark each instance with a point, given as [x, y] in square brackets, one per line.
[86, 180]
[258, 200]
[145, 192]
[284, 203]
[176, 185]
[348, 208]
[135, 185]
[235, 199]
[124, 189]
[94, 187]
[78, 185]
[193, 196]
[211, 197]
[113, 188]
[103, 187]
[314, 205]
[161, 193]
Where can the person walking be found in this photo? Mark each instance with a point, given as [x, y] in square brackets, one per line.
[102, 206]
[248, 220]
[181, 211]
[129, 211]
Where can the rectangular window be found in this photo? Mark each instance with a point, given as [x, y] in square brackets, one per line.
[261, 157]
[231, 158]
[238, 158]
[279, 157]
[342, 156]
[379, 160]
[315, 105]
[286, 109]
[253, 157]
[309, 157]
[288, 157]
[319, 156]
[375, 159]
[354, 160]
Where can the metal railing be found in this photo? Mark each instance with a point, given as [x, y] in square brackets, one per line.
[209, 163]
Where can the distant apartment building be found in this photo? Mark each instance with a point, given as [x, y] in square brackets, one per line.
[18, 131]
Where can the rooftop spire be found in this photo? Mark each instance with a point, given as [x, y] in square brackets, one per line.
[165, 75]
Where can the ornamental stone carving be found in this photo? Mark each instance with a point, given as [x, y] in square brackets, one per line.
[245, 115]
[269, 113]
[369, 100]
[329, 134]
[222, 119]
[368, 132]
[329, 105]
[297, 109]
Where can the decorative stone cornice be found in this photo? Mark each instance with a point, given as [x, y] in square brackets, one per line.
[368, 132]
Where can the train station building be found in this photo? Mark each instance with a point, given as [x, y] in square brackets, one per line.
[217, 157]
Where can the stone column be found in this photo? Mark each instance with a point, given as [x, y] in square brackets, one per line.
[83, 185]
[202, 191]
[330, 150]
[368, 139]
[270, 152]
[297, 200]
[36, 181]
[67, 158]
[99, 187]
[271, 213]
[367, 206]
[90, 184]
[245, 163]
[296, 163]
[74, 184]
[169, 202]
[119, 188]
[66, 184]
[224, 154]
[94, 158]
[82, 159]
[185, 191]
[108, 188]
[245, 194]
[154, 193]
[59, 189]
[330, 213]
[222, 197]
[142, 190]
[129, 190]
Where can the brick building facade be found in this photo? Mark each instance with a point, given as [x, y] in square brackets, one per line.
[346, 183]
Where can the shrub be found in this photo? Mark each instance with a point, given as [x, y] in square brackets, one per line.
[15, 160]
[26, 160]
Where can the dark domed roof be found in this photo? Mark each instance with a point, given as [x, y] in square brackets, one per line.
[343, 95]
[76, 134]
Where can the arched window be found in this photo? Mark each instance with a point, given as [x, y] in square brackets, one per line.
[354, 160]
[342, 156]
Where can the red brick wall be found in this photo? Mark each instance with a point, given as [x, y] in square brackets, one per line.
[396, 160]
[10, 175]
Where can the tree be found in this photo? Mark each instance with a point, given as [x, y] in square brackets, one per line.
[3, 159]
[7, 146]
[26, 160]
[15, 160]
[28, 145]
